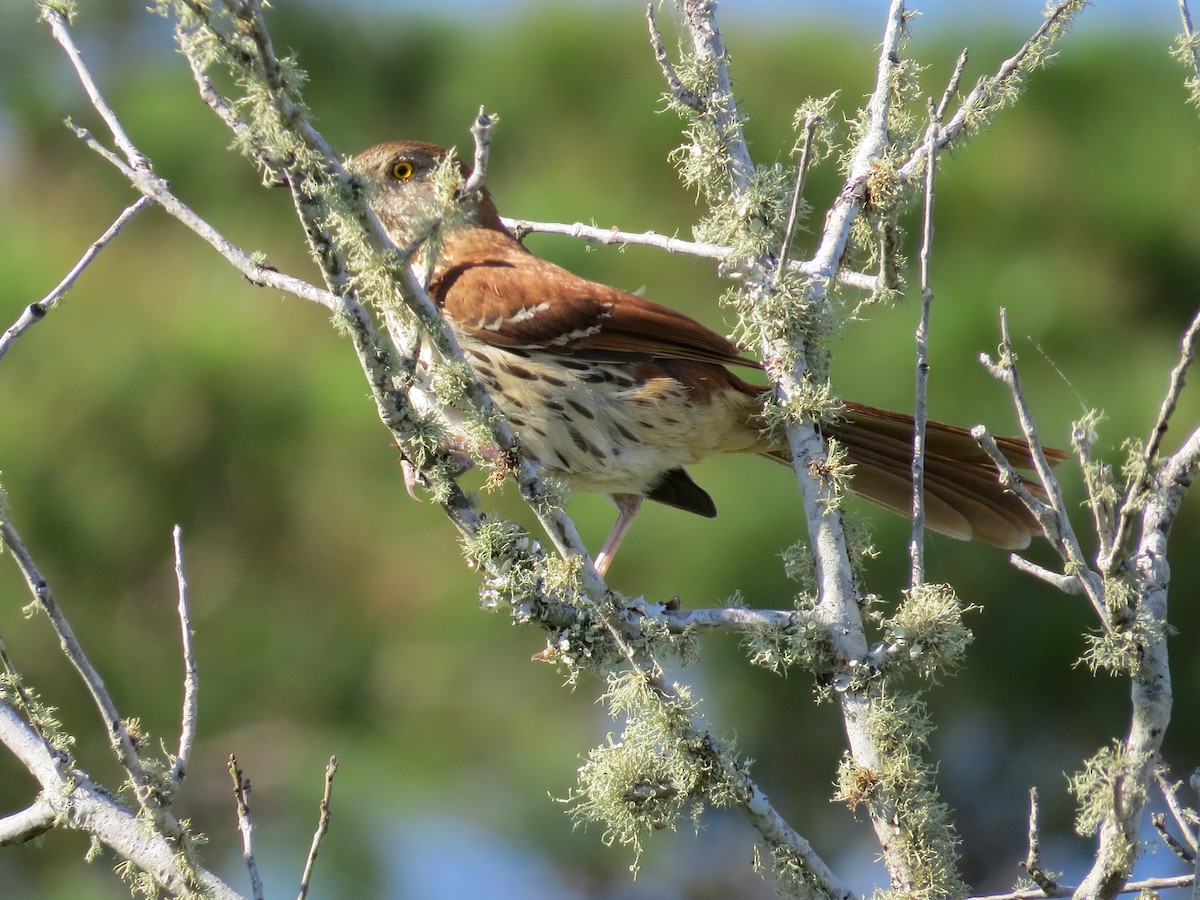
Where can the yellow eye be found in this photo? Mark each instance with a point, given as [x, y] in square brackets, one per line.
[402, 170]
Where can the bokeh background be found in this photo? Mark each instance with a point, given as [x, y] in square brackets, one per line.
[333, 614]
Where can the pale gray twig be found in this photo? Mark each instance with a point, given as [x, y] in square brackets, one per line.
[27, 824]
[1052, 513]
[1068, 584]
[256, 272]
[1133, 498]
[1189, 34]
[1180, 849]
[811, 122]
[81, 805]
[678, 91]
[58, 27]
[322, 828]
[1033, 859]
[985, 88]
[1065, 890]
[1186, 819]
[187, 726]
[37, 310]
[951, 88]
[522, 227]
[120, 740]
[916, 546]
[241, 793]
[481, 131]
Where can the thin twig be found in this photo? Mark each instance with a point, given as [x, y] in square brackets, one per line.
[120, 740]
[1068, 584]
[1066, 890]
[678, 91]
[256, 272]
[951, 89]
[27, 703]
[1134, 494]
[1098, 483]
[720, 106]
[241, 792]
[1176, 846]
[31, 822]
[187, 727]
[916, 547]
[522, 227]
[1033, 859]
[811, 122]
[1189, 34]
[481, 131]
[322, 829]
[984, 89]
[1194, 784]
[1186, 819]
[37, 310]
[58, 27]
[1052, 513]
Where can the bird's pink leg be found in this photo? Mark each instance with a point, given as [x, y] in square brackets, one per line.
[627, 508]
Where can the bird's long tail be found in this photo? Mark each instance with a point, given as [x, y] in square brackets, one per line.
[963, 494]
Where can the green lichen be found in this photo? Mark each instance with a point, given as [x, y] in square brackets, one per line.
[658, 771]
[928, 632]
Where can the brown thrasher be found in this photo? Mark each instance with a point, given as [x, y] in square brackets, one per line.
[616, 394]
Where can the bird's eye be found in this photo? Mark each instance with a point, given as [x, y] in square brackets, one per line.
[402, 170]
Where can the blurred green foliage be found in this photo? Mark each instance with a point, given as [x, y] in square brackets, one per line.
[333, 615]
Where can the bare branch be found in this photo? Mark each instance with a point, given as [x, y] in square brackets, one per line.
[322, 829]
[256, 272]
[120, 741]
[1186, 819]
[1134, 494]
[241, 792]
[187, 727]
[37, 310]
[916, 547]
[80, 804]
[678, 91]
[1033, 860]
[985, 90]
[700, 20]
[481, 131]
[1051, 514]
[951, 89]
[31, 822]
[811, 122]
[58, 27]
[1185, 853]
[522, 227]
[1189, 35]
[1064, 890]
[1068, 584]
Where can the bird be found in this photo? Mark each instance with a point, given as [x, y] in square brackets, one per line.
[615, 394]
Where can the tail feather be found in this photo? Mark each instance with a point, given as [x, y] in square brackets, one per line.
[963, 494]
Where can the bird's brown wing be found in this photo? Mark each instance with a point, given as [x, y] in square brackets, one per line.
[502, 298]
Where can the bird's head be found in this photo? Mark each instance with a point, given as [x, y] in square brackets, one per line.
[410, 182]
